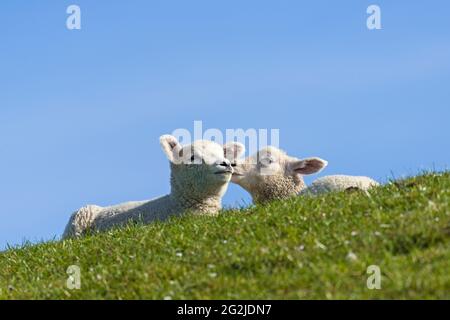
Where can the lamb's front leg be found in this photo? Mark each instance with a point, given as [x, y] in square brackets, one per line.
[81, 221]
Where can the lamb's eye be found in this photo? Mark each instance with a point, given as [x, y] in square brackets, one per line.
[267, 161]
[233, 164]
[193, 158]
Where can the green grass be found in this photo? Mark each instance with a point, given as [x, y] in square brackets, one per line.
[296, 249]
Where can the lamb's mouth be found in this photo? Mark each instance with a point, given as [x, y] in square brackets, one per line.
[224, 172]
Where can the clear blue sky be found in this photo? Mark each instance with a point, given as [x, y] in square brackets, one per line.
[81, 111]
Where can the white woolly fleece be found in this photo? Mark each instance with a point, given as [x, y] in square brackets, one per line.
[336, 183]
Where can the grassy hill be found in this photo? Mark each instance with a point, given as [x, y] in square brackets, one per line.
[304, 248]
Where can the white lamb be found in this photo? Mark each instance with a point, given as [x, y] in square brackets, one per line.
[200, 174]
[272, 174]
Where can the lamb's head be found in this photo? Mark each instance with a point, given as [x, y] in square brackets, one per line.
[271, 174]
[199, 170]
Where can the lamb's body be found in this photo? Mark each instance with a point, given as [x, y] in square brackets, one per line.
[194, 187]
[159, 209]
[337, 183]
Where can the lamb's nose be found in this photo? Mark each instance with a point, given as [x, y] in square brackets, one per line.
[226, 163]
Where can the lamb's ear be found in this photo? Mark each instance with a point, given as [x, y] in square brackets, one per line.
[170, 146]
[233, 150]
[308, 166]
